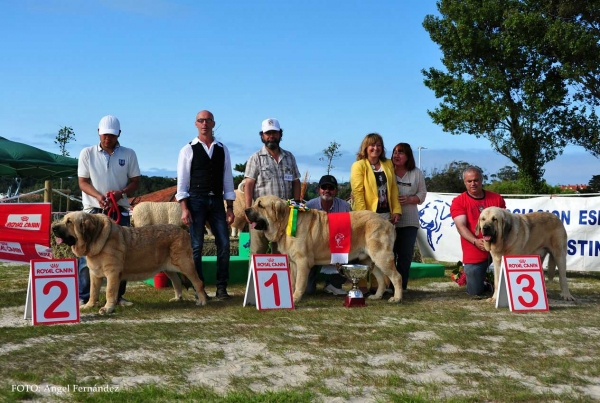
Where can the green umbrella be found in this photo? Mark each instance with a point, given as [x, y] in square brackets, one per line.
[24, 161]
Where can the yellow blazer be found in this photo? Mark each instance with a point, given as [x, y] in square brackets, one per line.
[364, 186]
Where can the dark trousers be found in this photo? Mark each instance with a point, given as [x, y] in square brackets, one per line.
[336, 280]
[404, 249]
[84, 271]
[476, 273]
[211, 209]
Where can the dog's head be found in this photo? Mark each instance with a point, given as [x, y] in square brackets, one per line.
[268, 213]
[494, 225]
[85, 233]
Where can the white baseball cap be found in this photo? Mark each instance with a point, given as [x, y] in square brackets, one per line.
[270, 124]
[109, 125]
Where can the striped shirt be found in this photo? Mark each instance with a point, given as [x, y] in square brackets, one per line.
[411, 184]
[272, 177]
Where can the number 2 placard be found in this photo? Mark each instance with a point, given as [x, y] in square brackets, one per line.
[269, 285]
[52, 292]
[522, 284]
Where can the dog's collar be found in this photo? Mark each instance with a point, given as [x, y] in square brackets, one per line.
[297, 205]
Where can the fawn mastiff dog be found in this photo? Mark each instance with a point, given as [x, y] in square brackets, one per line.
[154, 213]
[538, 233]
[124, 253]
[372, 242]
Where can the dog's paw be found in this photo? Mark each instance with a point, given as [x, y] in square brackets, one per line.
[297, 297]
[176, 299]
[200, 302]
[106, 311]
[395, 300]
[87, 306]
[375, 297]
[491, 299]
[567, 296]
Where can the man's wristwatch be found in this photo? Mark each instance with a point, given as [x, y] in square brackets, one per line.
[123, 194]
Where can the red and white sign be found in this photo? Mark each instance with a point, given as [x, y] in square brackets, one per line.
[522, 287]
[52, 292]
[25, 231]
[269, 285]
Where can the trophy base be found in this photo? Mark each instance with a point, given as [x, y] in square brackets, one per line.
[354, 302]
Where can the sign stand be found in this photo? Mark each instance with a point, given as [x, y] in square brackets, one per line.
[52, 292]
[502, 300]
[28, 302]
[269, 285]
[521, 285]
[250, 296]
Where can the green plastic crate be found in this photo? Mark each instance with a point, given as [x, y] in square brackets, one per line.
[421, 270]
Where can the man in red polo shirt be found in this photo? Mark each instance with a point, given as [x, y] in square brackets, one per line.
[465, 211]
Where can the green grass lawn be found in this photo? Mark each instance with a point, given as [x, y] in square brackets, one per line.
[439, 345]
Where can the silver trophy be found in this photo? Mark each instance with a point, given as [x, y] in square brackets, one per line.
[355, 273]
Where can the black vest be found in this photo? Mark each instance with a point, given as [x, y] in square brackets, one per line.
[206, 174]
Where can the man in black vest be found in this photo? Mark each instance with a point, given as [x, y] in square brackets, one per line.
[204, 180]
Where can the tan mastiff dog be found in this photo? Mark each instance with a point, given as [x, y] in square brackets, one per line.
[154, 213]
[372, 242]
[127, 253]
[538, 233]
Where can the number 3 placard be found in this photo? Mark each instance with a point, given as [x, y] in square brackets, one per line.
[269, 285]
[52, 292]
[522, 285]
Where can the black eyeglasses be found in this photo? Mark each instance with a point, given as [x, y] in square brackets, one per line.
[209, 120]
[327, 187]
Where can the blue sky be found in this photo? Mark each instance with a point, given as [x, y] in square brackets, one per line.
[328, 70]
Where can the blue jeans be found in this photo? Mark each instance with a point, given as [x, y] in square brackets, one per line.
[475, 275]
[210, 208]
[404, 249]
[84, 271]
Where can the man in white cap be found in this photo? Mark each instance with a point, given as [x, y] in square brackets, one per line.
[270, 171]
[104, 169]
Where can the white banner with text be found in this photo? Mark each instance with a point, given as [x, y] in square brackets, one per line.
[437, 237]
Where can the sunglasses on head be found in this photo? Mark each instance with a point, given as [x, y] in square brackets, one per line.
[327, 187]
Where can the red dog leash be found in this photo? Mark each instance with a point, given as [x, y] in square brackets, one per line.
[113, 207]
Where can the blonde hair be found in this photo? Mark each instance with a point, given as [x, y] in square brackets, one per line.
[369, 140]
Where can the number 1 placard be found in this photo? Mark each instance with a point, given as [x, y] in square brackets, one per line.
[269, 285]
[52, 295]
[522, 285]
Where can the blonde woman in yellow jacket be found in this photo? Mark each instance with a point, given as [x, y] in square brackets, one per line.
[373, 180]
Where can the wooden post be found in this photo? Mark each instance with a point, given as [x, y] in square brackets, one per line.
[47, 192]
[68, 191]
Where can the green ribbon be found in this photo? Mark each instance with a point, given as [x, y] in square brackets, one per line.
[292, 221]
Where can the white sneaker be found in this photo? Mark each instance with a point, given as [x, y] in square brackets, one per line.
[123, 302]
[330, 289]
